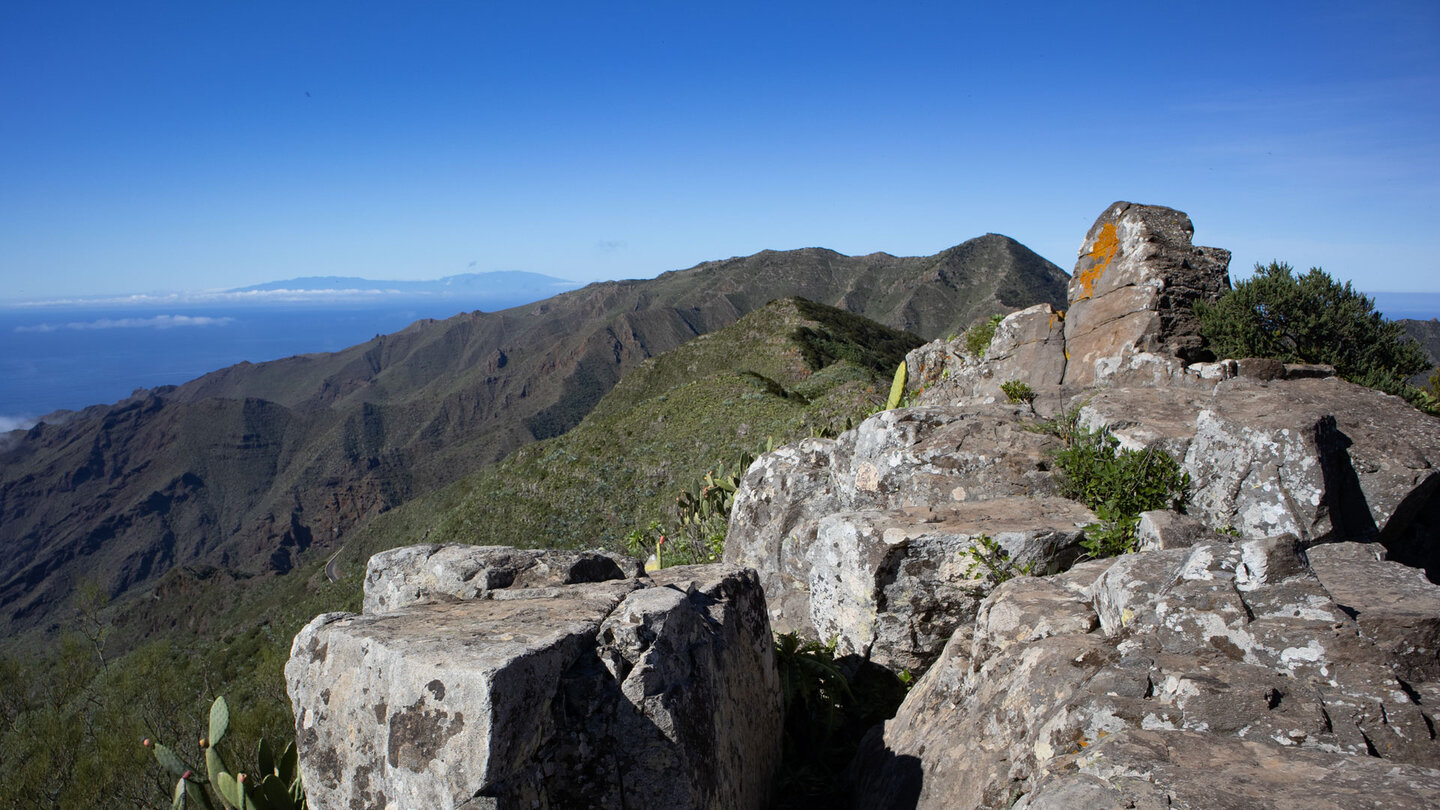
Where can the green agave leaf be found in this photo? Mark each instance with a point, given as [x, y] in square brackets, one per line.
[897, 388]
[178, 803]
[275, 793]
[290, 764]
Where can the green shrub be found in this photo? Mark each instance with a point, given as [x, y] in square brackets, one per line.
[1116, 484]
[978, 336]
[1019, 393]
[1311, 318]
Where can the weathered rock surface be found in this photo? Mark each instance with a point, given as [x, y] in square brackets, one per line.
[893, 586]
[927, 458]
[778, 508]
[1093, 696]
[932, 455]
[1318, 457]
[1134, 285]
[633, 692]
[1028, 345]
[413, 574]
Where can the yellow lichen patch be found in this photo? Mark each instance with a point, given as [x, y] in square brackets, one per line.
[1107, 244]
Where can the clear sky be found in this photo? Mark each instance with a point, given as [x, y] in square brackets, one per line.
[157, 146]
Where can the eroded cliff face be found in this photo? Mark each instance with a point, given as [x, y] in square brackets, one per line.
[1280, 639]
[1276, 645]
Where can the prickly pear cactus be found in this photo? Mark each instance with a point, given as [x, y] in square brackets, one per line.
[274, 785]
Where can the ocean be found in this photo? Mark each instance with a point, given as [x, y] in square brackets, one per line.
[70, 357]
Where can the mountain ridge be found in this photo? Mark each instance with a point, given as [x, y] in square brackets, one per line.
[250, 466]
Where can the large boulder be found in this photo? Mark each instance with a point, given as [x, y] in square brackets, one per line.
[634, 692]
[893, 587]
[930, 456]
[897, 460]
[1323, 459]
[1134, 286]
[776, 512]
[1314, 456]
[1110, 681]
[1028, 346]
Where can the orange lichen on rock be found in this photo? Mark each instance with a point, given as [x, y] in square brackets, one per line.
[1107, 244]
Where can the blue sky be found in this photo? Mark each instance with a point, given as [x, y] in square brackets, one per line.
[204, 144]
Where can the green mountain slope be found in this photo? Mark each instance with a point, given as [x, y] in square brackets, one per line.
[788, 370]
[259, 467]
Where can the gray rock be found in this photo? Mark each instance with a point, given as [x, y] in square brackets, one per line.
[1134, 285]
[777, 509]
[1028, 346]
[627, 693]
[893, 587]
[1323, 459]
[1165, 529]
[1166, 769]
[1317, 457]
[425, 573]
[1231, 651]
[931, 456]
[1396, 607]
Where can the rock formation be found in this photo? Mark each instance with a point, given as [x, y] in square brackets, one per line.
[1275, 645]
[490, 677]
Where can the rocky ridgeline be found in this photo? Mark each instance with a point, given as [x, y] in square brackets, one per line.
[1277, 645]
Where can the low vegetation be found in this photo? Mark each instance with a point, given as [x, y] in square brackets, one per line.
[829, 703]
[273, 784]
[1312, 318]
[986, 559]
[1116, 484]
[979, 335]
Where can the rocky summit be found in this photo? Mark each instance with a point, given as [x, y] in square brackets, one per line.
[1273, 643]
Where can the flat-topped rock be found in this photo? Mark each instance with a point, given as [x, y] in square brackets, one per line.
[938, 455]
[425, 573]
[893, 586]
[639, 692]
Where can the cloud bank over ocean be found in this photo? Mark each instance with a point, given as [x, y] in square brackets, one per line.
[282, 296]
[155, 322]
[9, 423]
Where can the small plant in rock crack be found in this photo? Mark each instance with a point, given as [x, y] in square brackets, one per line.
[1117, 484]
[979, 335]
[1019, 393]
[992, 562]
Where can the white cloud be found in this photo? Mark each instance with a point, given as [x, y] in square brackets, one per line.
[156, 322]
[209, 297]
[9, 423]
